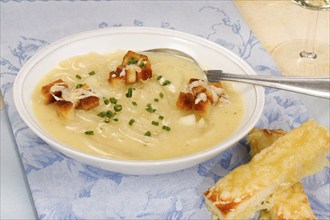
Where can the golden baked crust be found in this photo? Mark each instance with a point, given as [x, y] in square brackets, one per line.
[199, 96]
[288, 204]
[47, 95]
[260, 139]
[66, 99]
[247, 189]
[134, 67]
[63, 107]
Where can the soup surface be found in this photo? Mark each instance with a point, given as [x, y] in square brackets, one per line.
[134, 132]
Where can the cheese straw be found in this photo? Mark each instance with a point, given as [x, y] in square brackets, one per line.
[247, 189]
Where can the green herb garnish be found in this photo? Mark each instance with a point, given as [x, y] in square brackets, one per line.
[118, 108]
[89, 132]
[149, 108]
[91, 73]
[134, 103]
[148, 133]
[166, 82]
[102, 114]
[78, 77]
[131, 122]
[156, 123]
[79, 86]
[142, 64]
[113, 100]
[161, 95]
[156, 100]
[159, 77]
[129, 93]
[132, 61]
[166, 128]
[106, 101]
[109, 114]
[161, 117]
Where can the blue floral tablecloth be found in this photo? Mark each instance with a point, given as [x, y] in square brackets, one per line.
[63, 188]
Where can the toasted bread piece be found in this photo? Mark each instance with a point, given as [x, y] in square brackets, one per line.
[199, 96]
[47, 95]
[185, 101]
[134, 67]
[247, 189]
[63, 107]
[88, 103]
[203, 108]
[288, 204]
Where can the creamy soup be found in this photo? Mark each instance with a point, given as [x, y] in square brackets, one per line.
[134, 132]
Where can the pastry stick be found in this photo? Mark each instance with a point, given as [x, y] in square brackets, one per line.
[247, 189]
[288, 204]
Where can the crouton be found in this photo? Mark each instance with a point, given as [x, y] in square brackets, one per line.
[203, 108]
[47, 95]
[88, 103]
[134, 67]
[63, 107]
[199, 96]
[131, 76]
[185, 101]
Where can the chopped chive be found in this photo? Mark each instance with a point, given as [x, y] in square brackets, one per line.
[131, 122]
[116, 119]
[156, 100]
[148, 133]
[166, 128]
[110, 114]
[161, 95]
[149, 108]
[161, 117]
[113, 100]
[106, 101]
[166, 82]
[118, 108]
[129, 92]
[91, 73]
[156, 123]
[132, 61]
[142, 64]
[78, 77]
[159, 77]
[79, 86]
[102, 114]
[134, 103]
[107, 120]
[89, 132]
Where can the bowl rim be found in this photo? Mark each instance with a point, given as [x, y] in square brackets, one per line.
[197, 157]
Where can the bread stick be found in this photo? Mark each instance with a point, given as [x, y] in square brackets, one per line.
[247, 189]
[288, 204]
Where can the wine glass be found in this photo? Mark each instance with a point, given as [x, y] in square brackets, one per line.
[303, 57]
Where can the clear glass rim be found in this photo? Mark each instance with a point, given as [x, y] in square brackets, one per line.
[306, 4]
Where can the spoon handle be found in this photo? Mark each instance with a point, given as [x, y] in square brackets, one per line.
[314, 86]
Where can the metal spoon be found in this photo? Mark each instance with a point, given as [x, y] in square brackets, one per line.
[314, 86]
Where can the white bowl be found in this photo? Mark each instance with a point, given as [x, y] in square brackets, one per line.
[209, 54]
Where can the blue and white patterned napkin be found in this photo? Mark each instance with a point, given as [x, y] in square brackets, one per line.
[63, 188]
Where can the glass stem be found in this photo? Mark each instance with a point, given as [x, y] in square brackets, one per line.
[309, 51]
